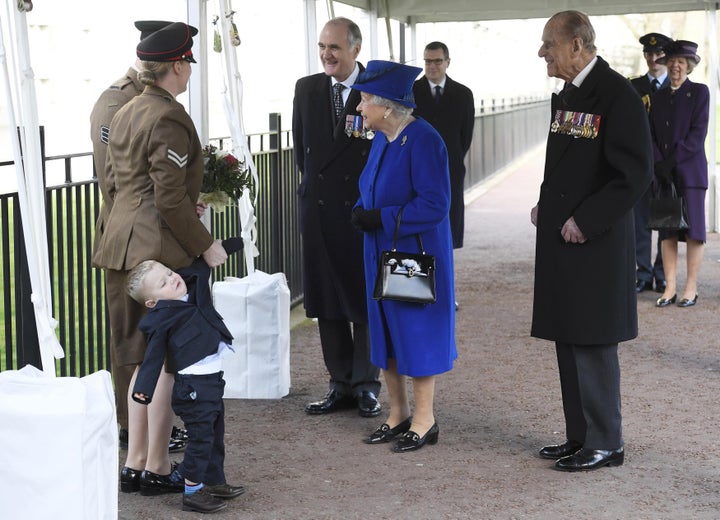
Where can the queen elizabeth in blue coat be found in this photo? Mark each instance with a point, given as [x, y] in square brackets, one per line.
[407, 170]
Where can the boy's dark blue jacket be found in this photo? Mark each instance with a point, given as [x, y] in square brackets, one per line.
[188, 331]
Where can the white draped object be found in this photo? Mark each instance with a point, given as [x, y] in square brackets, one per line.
[256, 310]
[60, 447]
[19, 85]
[232, 95]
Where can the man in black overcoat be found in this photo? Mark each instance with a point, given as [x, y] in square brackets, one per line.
[655, 79]
[598, 164]
[450, 108]
[331, 157]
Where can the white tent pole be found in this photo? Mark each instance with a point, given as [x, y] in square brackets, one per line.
[714, 191]
[198, 89]
[31, 190]
[373, 36]
[388, 30]
[310, 19]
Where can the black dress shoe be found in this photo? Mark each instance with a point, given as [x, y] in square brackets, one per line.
[386, 434]
[368, 405]
[123, 438]
[642, 285]
[176, 445]
[587, 460]
[225, 490]
[410, 440]
[179, 434]
[558, 451]
[660, 286]
[332, 402]
[202, 502]
[178, 439]
[687, 303]
[154, 484]
[129, 480]
[664, 302]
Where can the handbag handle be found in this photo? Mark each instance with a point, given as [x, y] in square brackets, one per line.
[397, 231]
[673, 190]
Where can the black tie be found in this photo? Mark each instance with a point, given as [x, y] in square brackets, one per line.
[655, 85]
[438, 93]
[337, 99]
[567, 89]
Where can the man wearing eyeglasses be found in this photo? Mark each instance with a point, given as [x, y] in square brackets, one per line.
[450, 108]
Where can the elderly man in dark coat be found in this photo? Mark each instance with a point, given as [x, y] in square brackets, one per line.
[331, 157]
[598, 164]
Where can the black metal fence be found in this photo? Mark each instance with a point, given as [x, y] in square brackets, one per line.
[502, 132]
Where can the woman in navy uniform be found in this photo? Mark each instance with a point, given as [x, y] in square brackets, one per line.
[679, 123]
[155, 164]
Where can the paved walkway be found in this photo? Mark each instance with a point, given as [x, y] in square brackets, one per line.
[497, 407]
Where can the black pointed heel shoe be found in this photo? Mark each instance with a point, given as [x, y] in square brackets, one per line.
[664, 302]
[687, 303]
[410, 440]
[129, 480]
[386, 434]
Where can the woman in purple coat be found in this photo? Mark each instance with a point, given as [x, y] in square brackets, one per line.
[679, 123]
[407, 171]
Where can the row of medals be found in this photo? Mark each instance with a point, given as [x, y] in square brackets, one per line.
[576, 124]
[354, 127]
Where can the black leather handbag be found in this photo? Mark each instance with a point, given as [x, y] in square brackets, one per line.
[668, 213]
[408, 277]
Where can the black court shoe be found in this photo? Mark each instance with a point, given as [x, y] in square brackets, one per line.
[412, 441]
[386, 434]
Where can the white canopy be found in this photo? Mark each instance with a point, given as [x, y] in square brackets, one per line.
[423, 11]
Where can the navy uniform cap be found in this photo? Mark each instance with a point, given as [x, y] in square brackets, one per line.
[654, 42]
[147, 27]
[171, 43]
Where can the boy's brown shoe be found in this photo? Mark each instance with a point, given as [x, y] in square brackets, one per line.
[225, 490]
[202, 502]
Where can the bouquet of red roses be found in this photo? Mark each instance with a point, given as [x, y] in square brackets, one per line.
[224, 178]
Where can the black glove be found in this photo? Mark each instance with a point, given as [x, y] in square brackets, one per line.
[233, 244]
[665, 170]
[366, 220]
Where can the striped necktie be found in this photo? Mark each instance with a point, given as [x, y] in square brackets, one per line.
[338, 100]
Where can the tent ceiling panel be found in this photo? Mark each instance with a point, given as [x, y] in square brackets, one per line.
[422, 11]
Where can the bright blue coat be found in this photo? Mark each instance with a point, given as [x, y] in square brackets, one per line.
[411, 174]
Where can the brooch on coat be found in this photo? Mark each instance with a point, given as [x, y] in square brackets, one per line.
[576, 124]
[354, 127]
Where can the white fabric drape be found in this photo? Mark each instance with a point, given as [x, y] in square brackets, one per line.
[232, 94]
[19, 85]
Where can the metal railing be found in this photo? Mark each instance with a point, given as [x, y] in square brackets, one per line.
[503, 131]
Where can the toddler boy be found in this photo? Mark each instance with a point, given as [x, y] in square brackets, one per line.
[183, 324]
